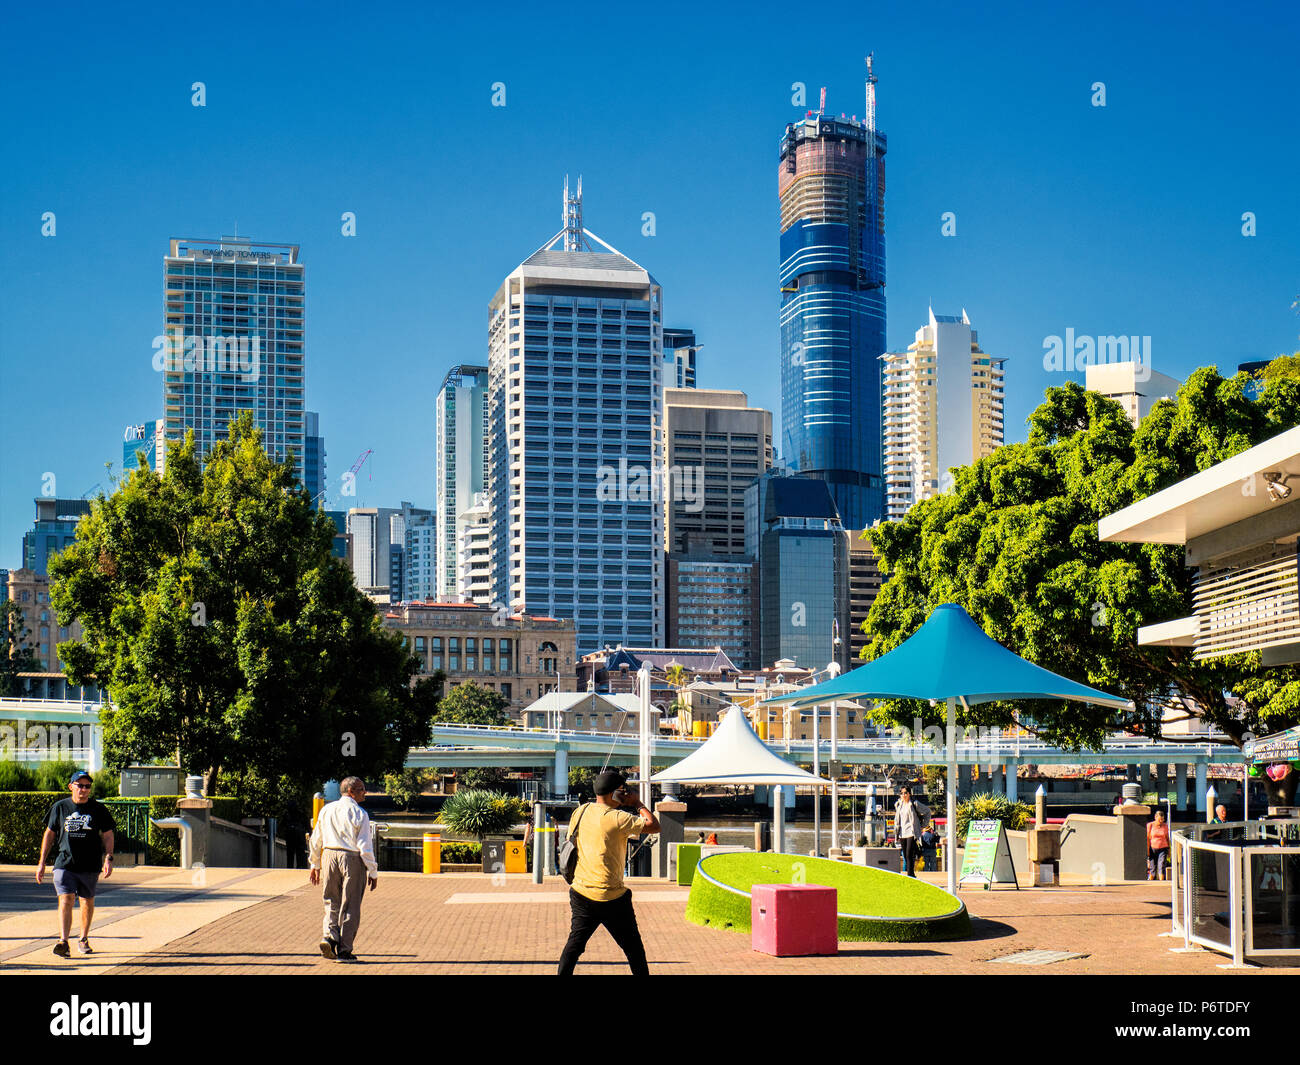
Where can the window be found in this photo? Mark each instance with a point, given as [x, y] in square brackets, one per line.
[577, 721]
[609, 720]
[470, 664]
[505, 691]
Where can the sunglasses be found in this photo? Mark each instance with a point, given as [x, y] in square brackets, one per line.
[81, 783]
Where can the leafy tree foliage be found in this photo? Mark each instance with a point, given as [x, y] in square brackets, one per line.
[472, 704]
[216, 616]
[1015, 543]
[473, 812]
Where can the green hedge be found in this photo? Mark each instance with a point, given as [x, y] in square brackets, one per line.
[457, 852]
[23, 814]
[22, 824]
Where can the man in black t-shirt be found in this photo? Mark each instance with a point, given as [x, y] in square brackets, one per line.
[81, 829]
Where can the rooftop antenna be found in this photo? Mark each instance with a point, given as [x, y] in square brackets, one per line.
[821, 108]
[573, 217]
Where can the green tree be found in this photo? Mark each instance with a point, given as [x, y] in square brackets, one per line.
[1015, 543]
[472, 704]
[16, 654]
[405, 786]
[224, 629]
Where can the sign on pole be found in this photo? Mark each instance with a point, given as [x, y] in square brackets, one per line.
[987, 859]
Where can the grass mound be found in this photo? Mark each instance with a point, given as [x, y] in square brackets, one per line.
[874, 905]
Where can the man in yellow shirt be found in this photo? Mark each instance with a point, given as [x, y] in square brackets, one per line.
[597, 896]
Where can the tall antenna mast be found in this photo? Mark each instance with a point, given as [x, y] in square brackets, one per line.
[573, 239]
[871, 97]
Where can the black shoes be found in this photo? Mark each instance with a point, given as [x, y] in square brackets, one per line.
[328, 948]
[61, 949]
[344, 955]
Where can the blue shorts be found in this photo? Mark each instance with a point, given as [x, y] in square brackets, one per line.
[69, 882]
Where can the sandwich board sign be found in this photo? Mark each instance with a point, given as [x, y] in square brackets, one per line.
[987, 859]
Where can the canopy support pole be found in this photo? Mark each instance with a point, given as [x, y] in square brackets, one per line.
[835, 787]
[778, 819]
[950, 829]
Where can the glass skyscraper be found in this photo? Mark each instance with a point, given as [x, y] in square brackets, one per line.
[233, 323]
[576, 363]
[832, 191]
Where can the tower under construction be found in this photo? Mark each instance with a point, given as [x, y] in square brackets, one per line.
[831, 181]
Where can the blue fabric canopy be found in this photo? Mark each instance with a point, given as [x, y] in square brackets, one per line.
[949, 657]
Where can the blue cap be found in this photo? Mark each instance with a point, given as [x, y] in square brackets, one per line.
[79, 774]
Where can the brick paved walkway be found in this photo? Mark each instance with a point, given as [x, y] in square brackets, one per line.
[463, 923]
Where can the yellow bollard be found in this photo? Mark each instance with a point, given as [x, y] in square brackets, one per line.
[317, 805]
[432, 852]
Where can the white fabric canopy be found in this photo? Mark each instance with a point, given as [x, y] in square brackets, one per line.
[735, 755]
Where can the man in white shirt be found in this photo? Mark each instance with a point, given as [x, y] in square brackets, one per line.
[342, 838]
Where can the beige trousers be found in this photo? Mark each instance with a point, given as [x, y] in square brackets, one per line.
[344, 876]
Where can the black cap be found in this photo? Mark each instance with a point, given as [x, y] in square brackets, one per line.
[79, 774]
[608, 782]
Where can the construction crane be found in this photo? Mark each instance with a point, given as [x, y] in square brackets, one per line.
[353, 470]
[361, 461]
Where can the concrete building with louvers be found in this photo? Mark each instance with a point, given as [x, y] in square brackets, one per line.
[1240, 524]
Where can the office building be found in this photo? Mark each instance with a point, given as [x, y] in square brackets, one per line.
[1133, 385]
[576, 360]
[31, 591]
[865, 580]
[943, 408]
[831, 181]
[54, 529]
[374, 531]
[713, 602]
[461, 463]
[794, 533]
[313, 459]
[148, 437]
[717, 444]
[233, 325]
[521, 656]
[679, 358]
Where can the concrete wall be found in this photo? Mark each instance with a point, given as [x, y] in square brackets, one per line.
[231, 845]
[1111, 847]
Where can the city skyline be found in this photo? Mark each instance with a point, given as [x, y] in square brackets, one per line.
[1067, 215]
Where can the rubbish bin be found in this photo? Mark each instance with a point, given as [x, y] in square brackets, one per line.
[494, 855]
[638, 858]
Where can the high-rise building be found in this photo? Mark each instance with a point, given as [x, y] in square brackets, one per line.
[831, 179]
[313, 458]
[864, 585]
[1133, 385]
[148, 437]
[942, 407]
[375, 531]
[794, 533]
[713, 602]
[420, 582]
[717, 444]
[679, 358]
[575, 342]
[461, 462]
[233, 328]
[474, 554]
[54, 529]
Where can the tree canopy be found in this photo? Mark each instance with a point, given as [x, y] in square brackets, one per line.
[1015, 543]
[16, 654]
[215, 615]
[472, 704]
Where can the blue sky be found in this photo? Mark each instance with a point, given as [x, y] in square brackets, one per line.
[1117, 220]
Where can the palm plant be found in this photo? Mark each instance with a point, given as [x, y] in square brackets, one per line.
[480, 813]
